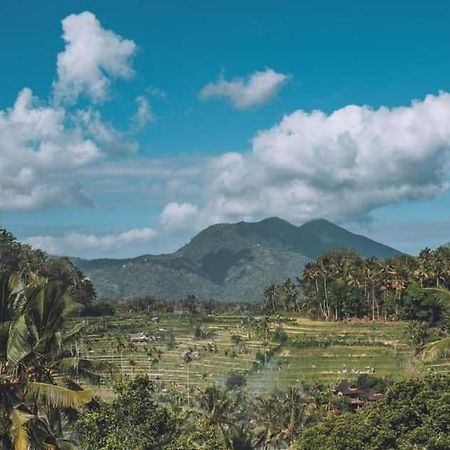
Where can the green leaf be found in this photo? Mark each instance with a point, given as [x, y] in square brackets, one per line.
[57, 396]
[19, 431]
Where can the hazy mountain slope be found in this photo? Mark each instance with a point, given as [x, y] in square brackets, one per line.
[226, 261]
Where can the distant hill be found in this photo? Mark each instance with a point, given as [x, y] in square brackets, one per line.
[227, 262]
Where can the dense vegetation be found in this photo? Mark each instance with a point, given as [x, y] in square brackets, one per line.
[340, 284]
[40, 366]
[45, 365]
[412, 414]
[16, 257]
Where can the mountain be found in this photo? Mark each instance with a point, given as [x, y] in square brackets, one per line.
[227, 262]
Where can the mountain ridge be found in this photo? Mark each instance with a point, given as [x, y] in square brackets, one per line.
[227, 262]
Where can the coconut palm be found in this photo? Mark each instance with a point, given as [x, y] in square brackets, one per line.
[220, 409]
[38, 362]
[439, 349]
[280, 419]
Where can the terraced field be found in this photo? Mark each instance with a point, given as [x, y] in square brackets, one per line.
[196, 351]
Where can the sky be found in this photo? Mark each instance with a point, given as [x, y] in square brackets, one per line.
[127, 127]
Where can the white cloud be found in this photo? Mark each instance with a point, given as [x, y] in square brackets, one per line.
[340, 166]
[43, 144]
[143, 114]
[34, 144]
[73, 243]
[255, 90]
[179, 217]
[91, 57]
[110, 139]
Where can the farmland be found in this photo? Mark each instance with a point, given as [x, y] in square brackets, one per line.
[195, 351]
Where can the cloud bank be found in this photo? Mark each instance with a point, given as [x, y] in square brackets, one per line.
[341, 165]
[72, 243]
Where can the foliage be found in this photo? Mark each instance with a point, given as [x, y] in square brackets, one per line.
[235, 380]
[16, 257]
[98, 309]
[423, 305]
[39, 364]
[133, 420]
[413, 414]
[341, 284]
[279, 335]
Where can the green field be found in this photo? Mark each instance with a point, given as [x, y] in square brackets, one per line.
[314, 350]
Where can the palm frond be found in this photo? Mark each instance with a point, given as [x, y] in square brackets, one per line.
[18, 344]
[83, 368]
[57, 396]
[73, 333]
[19, 430]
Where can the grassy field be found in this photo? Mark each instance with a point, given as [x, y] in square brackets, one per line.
[314, 351]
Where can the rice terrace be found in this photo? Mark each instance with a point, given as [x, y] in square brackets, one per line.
[313, 351]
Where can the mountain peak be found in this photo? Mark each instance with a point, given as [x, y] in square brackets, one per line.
[274, 220]
[231, 262]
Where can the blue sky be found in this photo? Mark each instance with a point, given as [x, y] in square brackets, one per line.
[225, 130]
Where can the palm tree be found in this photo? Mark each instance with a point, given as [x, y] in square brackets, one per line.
[38, 361]
[290, 295]
[295, 414]
[311, 275]
[270, 295]
[439, 349]
[266, 417]
[219, 408]
[424, 270]
[280, 419]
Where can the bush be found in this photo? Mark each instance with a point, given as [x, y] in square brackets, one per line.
[133, 420]
[98, 309]
[423, 305]
[235, 380]
[279, 335]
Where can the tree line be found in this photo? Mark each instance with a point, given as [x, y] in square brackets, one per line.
[340, 284]
[17, 257]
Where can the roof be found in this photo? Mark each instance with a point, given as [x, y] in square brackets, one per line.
[346, 388]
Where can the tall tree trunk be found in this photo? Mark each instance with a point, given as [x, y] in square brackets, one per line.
[326, 297]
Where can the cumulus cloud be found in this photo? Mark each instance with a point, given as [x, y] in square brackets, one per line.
[340, 166]
[245, 93]
[42, 144]
[72, 243]
[34, 144]
[179, 217]
[91, 57]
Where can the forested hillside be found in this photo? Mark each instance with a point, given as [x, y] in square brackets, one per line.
[227, 262]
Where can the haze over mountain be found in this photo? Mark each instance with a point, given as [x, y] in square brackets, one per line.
[227, 261]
